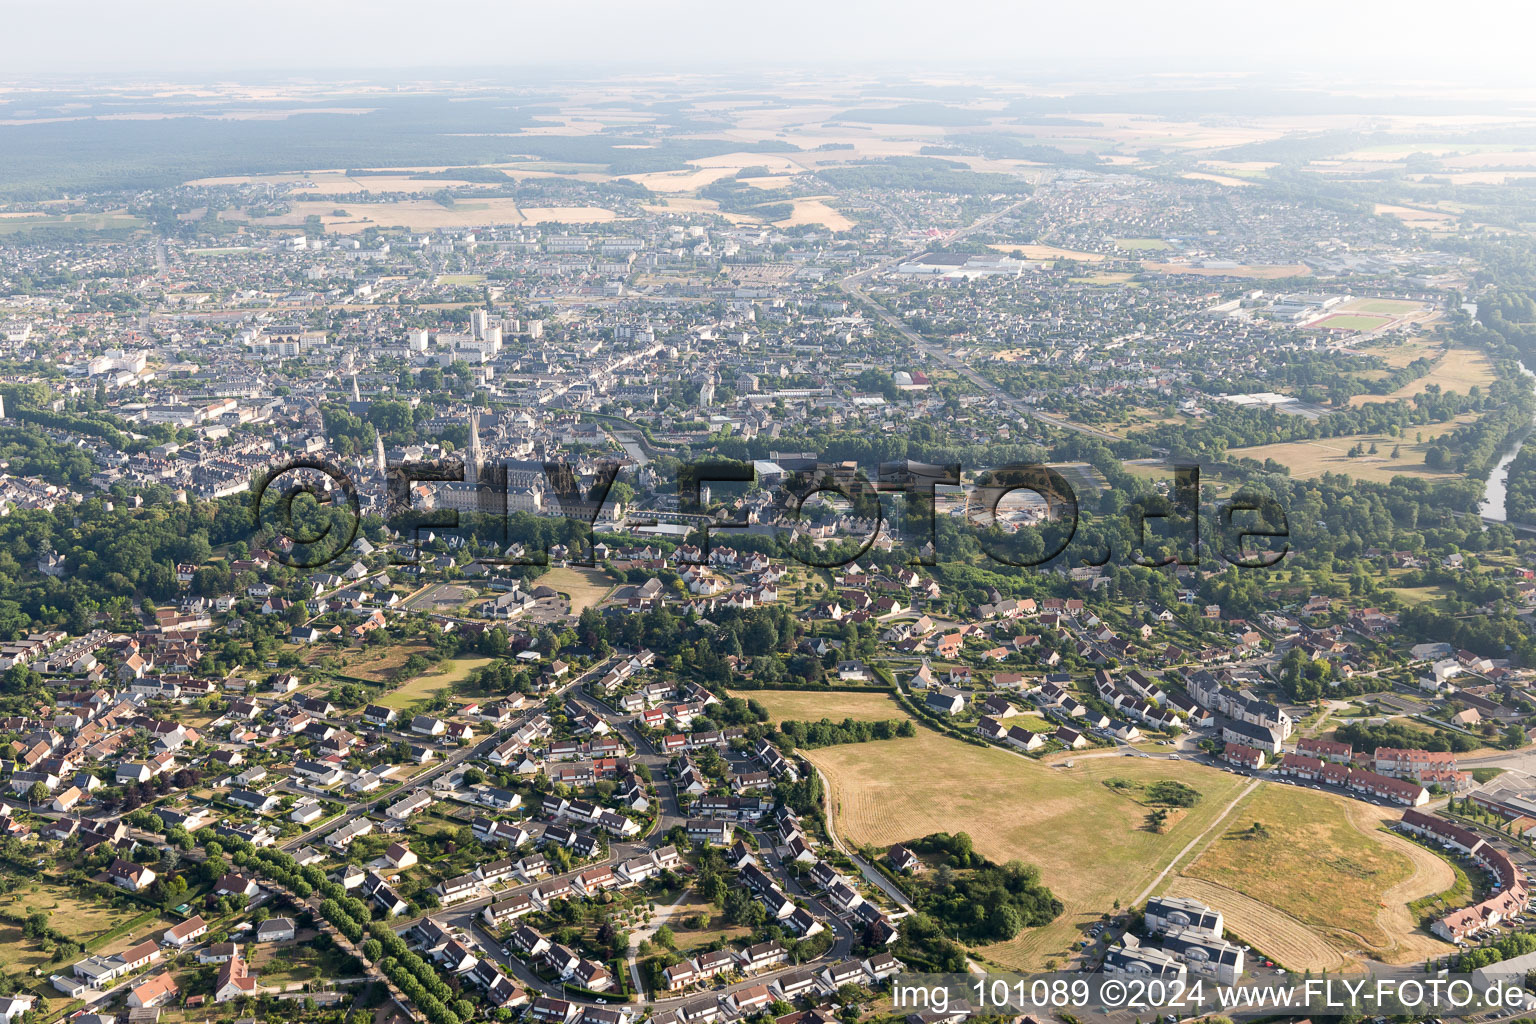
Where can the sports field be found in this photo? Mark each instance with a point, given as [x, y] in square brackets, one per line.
[1351, 322]
[1137, 244]
[1093, 846]
[1318, 859]
[814, 705]
[1392, 307]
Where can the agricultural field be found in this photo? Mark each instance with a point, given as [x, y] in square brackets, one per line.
[1430, 219]
[412, 214]
[1321, 860]
[10, 223]
[585, 587]
[814, 210]
[814, 705]
[1093, 845]
[1219, 179]
[568, 215]
[1113, 277]
[1292, 943]
[428, 685]
[1308, 459]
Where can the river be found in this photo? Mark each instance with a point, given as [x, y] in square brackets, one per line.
[1492, 506]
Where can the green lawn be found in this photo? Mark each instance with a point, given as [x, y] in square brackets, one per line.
[1347, 322]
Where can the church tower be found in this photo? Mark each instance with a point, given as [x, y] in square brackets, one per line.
[472, 464]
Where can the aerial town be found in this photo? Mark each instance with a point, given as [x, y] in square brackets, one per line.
[702, 550]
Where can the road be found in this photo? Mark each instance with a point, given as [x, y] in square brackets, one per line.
[1213, 826]
[871, 874]
[464, 916]
[360, 808]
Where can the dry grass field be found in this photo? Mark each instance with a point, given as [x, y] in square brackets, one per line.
[1257, 273]
[81, 918]
[585, 587]
[1092, 845]
[413, 214]
[1415, 218]
[568, 215]
[1219, 179]
[1308, 459]
[377, 666]
[716, 928]
[1321, 861]
[1459, 370]
[682, 181]
[1392, 307]
[431, 683]
[1279, 935]
[1046, 252]
[813, 705]
[1400, 354]
[814, 210]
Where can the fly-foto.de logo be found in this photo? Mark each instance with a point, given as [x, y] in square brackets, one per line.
[1020, 516]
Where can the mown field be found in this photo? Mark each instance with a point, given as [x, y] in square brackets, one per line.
[585, 587]
[1459, 370]
[1307, 459]
[431, 683]
[813, 706]
[1319, 861]
[1093, 845]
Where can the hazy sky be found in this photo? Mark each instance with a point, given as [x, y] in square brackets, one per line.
[1470, 42]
